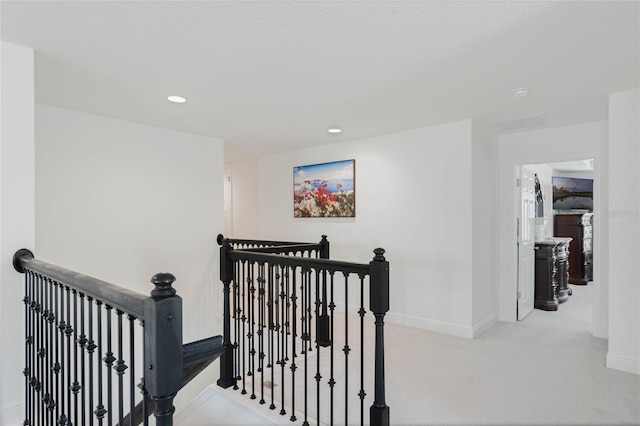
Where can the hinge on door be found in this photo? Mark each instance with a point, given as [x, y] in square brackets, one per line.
[519, 295]
[518, 229]
[518, 182]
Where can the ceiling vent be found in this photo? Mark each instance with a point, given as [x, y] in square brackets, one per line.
[523, 122]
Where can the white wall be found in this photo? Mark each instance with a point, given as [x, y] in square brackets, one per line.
[413, 198]
[123, 201]
[548, 146]
[484, 227]
[624, 231]
[16, 216]
[245, 190]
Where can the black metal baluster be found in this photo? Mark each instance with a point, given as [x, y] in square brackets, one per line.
[132, 380]
[57, 348]
[261, 302]
[49, 361]
[75, 387]
[26, 372]
[236, 330]
[44, 379]
[273, 306]
[52, 350]
[100, 411]
[294, 302]
[251, 335]
[306, 278]
[243, 339]
[41, 350]
[68, 331]
[64, 364]
[82, 342]
[346, 348]
[362, 312]
[120, 368]
[143, 389]
[284, 328]
[91, 347]
[318, 376]
[108, 361]
[332, 381]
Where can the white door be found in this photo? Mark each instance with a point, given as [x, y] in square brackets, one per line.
[526, 256]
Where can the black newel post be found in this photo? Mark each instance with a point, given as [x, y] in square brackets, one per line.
[324, 338]
[379, 305]
[163, 346]
[227, 378]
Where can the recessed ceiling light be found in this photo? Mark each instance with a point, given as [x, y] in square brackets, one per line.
[521, 92]
[176, 99]
[334, 130]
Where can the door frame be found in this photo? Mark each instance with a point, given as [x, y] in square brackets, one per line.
[509, 200]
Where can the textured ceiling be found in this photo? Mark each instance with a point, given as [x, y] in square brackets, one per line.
[271, 76]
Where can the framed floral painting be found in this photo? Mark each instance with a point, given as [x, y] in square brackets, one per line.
[325, 190]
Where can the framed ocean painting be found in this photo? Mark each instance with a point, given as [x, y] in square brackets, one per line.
[325, 190]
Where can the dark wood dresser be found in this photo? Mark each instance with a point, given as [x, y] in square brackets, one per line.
[551, 273]
[579, 227]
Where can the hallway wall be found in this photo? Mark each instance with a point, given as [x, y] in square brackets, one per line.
[413, 198]
[122, 201]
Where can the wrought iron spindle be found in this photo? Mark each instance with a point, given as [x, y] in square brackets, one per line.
[68, 331]
[82, 342]
[236, 328]
[244, 323]
[100, 411]
[75, 387]
[346, 348]
[91, 347]
[284, 328]
[306, 277]
[261, 306]
[64, 362]
[251, 336]
[50, 353]
[318, 376]
[132, 362]
[362, 312]
[273, 315]
[332, 381]
[56, 367]
[41, 349]
[120, 368]
[294, 303]
[44, 378]
[108, 362]
[26, 372]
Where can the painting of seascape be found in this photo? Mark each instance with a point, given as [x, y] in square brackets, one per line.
[572, 193]
[325, 190]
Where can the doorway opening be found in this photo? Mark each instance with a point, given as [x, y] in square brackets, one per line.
[568, 209]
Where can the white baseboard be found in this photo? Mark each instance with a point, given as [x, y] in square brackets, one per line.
[484, 325]
[623, 364]
[430, 325]
[12, 416]
[433, 325]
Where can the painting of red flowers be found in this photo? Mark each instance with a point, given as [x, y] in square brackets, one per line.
[325, 190]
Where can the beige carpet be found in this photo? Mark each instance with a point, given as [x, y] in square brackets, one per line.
[544, 370]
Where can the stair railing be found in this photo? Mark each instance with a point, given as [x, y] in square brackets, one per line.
[280, 301]
[83, 348]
